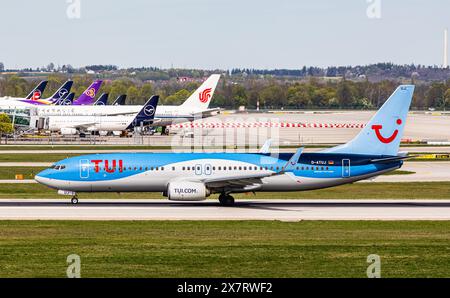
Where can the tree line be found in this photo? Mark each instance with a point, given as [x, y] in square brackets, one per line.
[234, 92]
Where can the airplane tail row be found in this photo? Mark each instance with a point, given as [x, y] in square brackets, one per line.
[383, 133]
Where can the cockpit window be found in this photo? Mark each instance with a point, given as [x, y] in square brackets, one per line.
[58, 167]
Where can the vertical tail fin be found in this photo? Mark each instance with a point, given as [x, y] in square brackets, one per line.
[88, 96]
[200, 99]
[66, 101]
[120, 100]
[147, 114]
[383, 133]
[102, 100]
[62, 92]
[37, 91]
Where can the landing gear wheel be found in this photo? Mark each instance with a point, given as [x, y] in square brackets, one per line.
[74, 200]
[226, 200]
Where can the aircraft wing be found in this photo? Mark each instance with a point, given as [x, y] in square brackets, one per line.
[83, 125]
[237, 181]
[207, 113]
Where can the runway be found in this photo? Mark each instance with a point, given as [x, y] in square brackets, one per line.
[283, 210]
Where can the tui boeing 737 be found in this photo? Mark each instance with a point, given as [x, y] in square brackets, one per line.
[195, 176]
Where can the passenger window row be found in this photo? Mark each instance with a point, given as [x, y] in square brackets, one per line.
[219, 168]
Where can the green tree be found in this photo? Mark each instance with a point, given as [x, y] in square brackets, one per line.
[298, 96]
[133, 95]
[447, 99]
[6, 126]
[344, 94]
[435, 96]
[145, 92]
[177, 98]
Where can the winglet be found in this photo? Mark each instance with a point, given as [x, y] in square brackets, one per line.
[265, 149]
[290, 165]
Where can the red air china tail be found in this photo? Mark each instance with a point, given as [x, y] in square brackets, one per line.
[201, 98]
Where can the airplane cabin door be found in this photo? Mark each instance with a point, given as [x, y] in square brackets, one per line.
[346, 168]
[198, 169]
[84, 168]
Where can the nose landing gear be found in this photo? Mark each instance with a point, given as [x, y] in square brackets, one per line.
[74, 200]
[226, 200]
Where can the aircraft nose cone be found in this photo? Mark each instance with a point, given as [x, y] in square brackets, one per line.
[42, 179]
[38, 178]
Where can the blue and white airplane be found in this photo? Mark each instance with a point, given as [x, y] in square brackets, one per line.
[195, 176]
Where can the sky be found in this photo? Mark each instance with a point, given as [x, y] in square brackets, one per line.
[222, 34]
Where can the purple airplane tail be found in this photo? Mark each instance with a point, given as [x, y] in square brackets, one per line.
[88, 96]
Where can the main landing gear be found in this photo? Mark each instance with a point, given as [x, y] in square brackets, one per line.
[226, 200]
[74, 200]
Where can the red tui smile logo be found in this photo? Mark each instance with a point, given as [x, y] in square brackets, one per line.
[380, 137]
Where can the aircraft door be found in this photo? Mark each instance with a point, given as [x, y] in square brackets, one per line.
[346, 168]
[198, 169]
[208, 169]
[84, 168]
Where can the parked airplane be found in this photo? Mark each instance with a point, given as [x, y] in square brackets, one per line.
[76, 124]
[195, 176]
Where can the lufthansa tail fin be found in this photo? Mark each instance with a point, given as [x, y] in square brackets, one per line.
[147, 114]
[37, 91]
[62, 92]
[120, 100]
[201, 98]
[102, 100]
[67, 101]
[383, 133]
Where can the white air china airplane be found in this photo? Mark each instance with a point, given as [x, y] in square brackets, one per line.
[195, 107]
[195, 176]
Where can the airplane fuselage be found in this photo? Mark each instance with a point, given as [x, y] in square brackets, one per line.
[153, 172]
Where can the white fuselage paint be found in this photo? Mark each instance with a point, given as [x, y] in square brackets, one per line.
[166, 115]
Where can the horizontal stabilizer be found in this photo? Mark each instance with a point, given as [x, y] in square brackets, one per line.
[391, 159]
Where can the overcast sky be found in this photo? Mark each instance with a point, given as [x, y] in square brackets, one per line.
[211, 34]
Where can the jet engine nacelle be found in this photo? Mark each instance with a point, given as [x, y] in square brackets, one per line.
[68, 131]
[187, 191]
